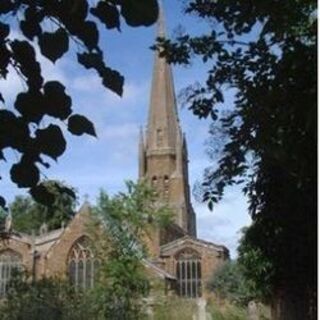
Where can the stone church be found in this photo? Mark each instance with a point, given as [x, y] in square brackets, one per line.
[177, 256]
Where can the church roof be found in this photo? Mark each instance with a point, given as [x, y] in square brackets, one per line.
[160, 272]
[182, 242]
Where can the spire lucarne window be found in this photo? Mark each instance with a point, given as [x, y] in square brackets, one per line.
[188, 271]
[10, 261]
[82, 264]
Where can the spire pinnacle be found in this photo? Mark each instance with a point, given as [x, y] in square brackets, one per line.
[161, 21]
[163, 119]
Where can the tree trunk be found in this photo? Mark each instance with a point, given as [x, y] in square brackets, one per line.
[298, 306]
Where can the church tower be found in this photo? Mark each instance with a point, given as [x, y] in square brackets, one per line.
[163, 157]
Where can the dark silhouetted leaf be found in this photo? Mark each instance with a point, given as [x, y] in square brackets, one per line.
[6, 6]
[4, 60]
[57, 102]
[79, 125]
[50, 141]
[2, 202]
[65, 190]
[91, 60]
[140, 13]
[54, 45]
[89, 34]
[30, 29]
[1, 98]
[41, 194]
[2, 156]
[107, 14]
[25, 174]
[4, 30]
[24, 54]
[14, 132]
[30, 105]
[77, 9]
[113, 80]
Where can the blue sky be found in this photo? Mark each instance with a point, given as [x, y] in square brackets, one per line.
[90, 164]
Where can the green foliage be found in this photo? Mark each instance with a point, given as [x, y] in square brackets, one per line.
[49, 299]
[29, 215]
[177, 308]
[264, 54]
[128, 219]
[54, 26]
[227, 312]
[120, 226]
[230, 283]
[256, 267]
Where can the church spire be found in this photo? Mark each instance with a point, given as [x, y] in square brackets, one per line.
[161, 22]
[162, 154]
[163, 120]
[142, 155]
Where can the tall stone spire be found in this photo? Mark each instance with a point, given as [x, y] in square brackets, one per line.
[162, 155]
[163, 119]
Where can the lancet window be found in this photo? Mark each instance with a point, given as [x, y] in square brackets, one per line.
[10, 262]
[188, 271]
[83, 265]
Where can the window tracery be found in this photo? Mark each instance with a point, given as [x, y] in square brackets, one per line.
[188, 271]
[82, 264]
[10, 262]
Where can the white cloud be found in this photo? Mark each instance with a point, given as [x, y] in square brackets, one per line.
[125, 132]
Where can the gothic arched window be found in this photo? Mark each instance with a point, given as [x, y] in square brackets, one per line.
[10, 261]
[188, 271]
[82, 264]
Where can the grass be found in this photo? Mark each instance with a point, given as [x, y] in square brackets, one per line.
[176, 308]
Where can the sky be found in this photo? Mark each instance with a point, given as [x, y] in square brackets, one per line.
[90, 164]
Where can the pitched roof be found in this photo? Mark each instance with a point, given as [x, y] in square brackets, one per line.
[184, 240]
[160, 272]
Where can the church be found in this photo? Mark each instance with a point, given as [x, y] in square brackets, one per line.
[177, 257]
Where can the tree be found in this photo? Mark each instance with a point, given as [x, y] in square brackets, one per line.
[120, 226]
[29, 216]
[47, 299]
[54, 26]
[264, 53]
[128, 219]
[229, 283]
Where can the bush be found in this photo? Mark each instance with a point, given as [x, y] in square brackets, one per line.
[229, 283]
[174, 308]
[48, 299]
[226, 312]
